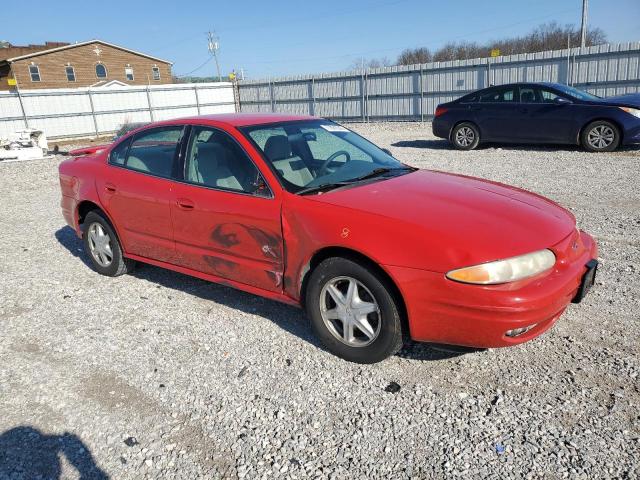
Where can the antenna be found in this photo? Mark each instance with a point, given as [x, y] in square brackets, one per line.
[213, 45]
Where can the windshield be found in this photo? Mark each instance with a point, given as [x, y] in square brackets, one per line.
[317, 153]
[575, 93]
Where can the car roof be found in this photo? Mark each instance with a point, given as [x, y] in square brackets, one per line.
[244, 119]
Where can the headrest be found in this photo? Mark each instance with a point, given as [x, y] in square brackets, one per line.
[277, 147]
[210, 154]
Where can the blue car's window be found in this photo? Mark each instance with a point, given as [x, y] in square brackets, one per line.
[498, 95]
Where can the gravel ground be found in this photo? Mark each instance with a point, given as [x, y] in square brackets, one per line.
[157, 374]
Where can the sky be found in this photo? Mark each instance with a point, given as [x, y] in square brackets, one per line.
[276, 38]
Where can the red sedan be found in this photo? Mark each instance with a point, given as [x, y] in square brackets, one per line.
[305, 211]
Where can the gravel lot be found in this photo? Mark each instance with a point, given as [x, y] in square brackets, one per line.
[157, 374]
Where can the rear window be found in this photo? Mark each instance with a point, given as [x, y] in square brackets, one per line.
[473, 97]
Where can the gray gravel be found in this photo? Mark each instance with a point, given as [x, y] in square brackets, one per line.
[157, 374]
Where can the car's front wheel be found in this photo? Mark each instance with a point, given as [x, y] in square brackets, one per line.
[600, 136]
[353, 311]
[465, 136]
[102, 246]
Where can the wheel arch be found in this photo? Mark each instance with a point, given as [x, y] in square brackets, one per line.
[86, 206]
[601, 119]
[344, 252]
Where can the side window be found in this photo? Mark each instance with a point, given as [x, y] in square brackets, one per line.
[215, 160]
[498, 95]
[529, 95]
[34, 72]
[153, 151]
[548, 96]
[101, 71]
[128, 73]
[469, 98]
[71, 73]
[119, 153]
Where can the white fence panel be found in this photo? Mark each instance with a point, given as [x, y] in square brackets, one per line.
[68, 113]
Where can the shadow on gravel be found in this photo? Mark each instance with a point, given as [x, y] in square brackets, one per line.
[289, 318]
[445, 145]
[68, 239]
[26, 452]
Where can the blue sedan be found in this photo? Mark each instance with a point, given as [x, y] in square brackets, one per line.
[539, 113]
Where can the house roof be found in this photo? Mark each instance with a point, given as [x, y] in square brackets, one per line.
[80, 44]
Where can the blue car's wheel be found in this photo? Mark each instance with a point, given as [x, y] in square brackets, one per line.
[465, 136]
[600, 136]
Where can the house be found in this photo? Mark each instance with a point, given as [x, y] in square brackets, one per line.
[91, 63]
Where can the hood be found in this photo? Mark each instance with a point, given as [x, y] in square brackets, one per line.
[439, 221]
[628, 100]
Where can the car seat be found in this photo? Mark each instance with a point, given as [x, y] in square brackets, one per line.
[278, 150]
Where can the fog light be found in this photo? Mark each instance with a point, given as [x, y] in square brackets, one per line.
[519, 331]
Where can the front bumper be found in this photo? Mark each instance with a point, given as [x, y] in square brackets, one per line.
[443, 311]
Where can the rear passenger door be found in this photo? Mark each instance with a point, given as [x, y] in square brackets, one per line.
[497, 114]
[136, 191]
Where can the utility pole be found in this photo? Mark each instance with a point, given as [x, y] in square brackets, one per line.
[213, 46]
[583, 26]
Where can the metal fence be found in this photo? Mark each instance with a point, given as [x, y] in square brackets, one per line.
[86, 112]
[413, 92]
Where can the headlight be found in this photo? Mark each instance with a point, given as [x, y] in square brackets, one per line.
[633, 111]
[508, 270]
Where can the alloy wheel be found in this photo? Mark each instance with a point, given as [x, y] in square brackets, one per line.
[350, 311]
[465, 136]
[100, 245]
[601, 137]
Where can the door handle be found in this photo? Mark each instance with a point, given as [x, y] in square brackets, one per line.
[110, 187]
[185, 204]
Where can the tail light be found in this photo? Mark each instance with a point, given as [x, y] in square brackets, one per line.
[440, 110]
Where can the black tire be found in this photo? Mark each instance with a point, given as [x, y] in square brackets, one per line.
[607, 132]
[118, 265]
[465, 136]
[388, 321]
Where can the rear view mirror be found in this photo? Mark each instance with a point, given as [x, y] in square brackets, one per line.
[561, 101]
[309, 136]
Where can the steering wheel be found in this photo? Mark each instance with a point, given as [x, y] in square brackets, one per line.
[332, 157]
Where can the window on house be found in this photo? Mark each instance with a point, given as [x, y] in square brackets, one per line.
[101, 71]
[34, 71]
[71, 73]
[155, 71]
[128, 73]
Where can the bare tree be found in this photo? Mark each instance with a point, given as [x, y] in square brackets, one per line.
[548, 36]
[370, 63]
[412, 56]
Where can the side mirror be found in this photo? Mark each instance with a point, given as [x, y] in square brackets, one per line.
[387, 151]
[561, 101]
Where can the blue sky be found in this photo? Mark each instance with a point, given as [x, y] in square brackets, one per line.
[273, 38]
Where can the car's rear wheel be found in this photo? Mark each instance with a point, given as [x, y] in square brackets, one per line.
[465, 136]
[353, 311]
[102, 246]
[600, 136]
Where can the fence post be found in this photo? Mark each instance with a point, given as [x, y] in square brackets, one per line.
[93, 112]
[24, 114]
[195, 90]
[271, 97]
[363, 107]
[313, 97]
[366, 92]
[421, 94]
[149, 103]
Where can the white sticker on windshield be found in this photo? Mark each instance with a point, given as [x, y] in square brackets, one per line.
[334, 128]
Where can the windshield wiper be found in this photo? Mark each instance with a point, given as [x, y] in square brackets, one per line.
[322, 187]
[372, 174]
